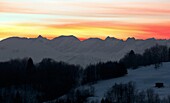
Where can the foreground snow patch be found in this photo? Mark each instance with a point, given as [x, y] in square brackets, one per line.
[144, 78]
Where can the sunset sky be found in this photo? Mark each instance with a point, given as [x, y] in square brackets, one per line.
[85, 18]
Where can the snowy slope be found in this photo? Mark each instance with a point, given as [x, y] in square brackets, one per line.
[144, 78]
[72, 50]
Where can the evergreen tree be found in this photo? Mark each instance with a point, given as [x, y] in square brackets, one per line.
[17, 98]
[30, 65]
[102, 101]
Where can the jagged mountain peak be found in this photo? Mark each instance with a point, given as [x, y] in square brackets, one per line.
[40, 36]
[70, 37]
[130, 39]
[108, 38]
[93, 39]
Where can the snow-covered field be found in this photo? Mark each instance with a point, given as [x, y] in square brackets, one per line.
[144, 78]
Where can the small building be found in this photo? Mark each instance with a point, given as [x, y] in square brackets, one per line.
[159, 85]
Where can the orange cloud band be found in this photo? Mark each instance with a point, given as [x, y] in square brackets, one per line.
[91, 29]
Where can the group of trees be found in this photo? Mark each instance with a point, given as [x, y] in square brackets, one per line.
[49, 79]
[103, 71]
[154, 55]
[19, 94]
[78, 95]
[127, 93]
[121, 93]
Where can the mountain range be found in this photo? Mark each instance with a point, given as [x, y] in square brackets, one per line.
[71, 50]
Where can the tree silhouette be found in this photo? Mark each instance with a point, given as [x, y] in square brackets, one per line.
[30, 65]
[17, 98]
